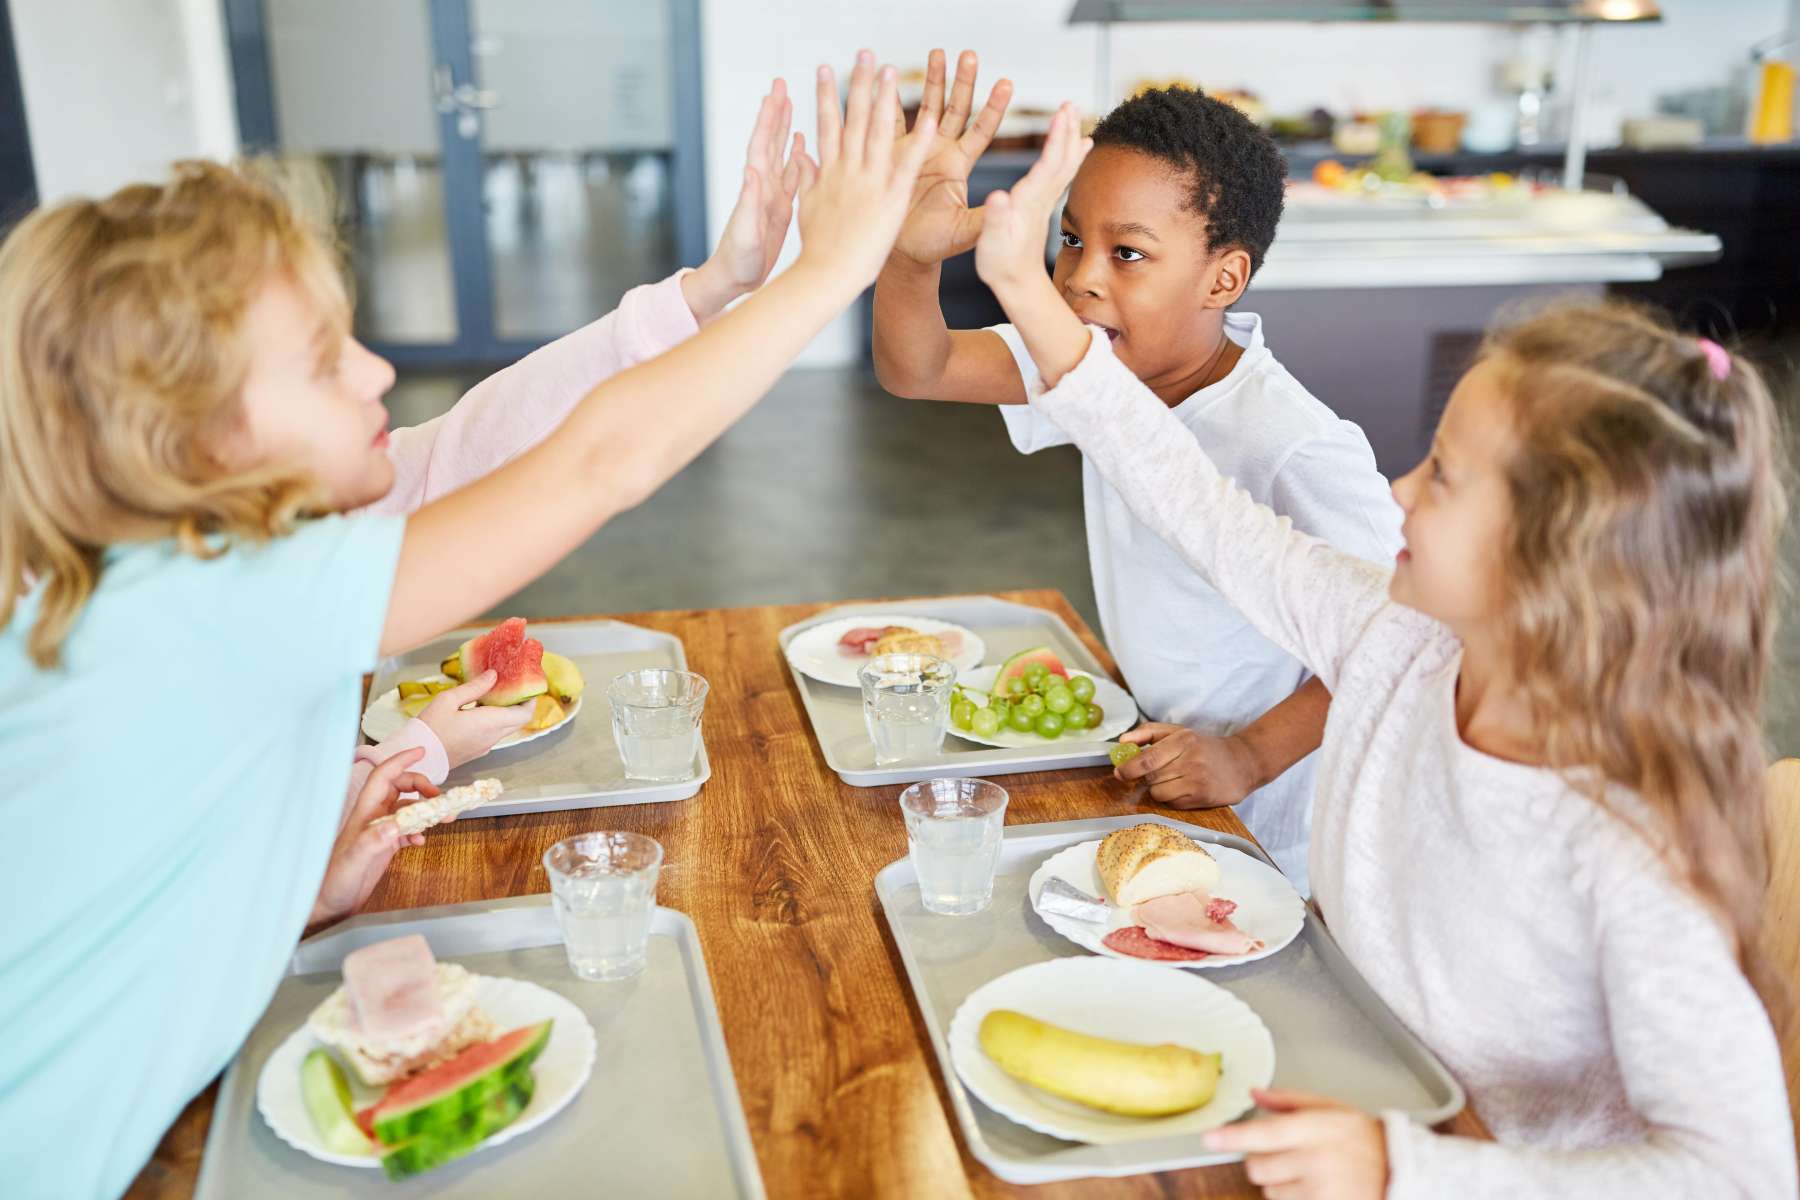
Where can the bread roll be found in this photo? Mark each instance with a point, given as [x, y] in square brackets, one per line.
[1147, 861]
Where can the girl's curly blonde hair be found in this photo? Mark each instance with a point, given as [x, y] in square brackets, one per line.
[1648, 496]
[121, 365]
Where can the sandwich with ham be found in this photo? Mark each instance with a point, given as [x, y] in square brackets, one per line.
[1169, 883]
[399, 1011]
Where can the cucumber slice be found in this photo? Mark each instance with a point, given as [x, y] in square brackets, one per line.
[327, 1094]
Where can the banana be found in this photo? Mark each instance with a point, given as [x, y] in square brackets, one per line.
[1128, 1078]
[564, 677]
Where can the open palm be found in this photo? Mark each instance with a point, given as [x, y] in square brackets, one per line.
[940, 223]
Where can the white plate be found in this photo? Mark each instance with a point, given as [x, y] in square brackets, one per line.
[561, 1069]
[384, 719]
[1129, 1001]
[1268, 906]
[1120, 710]
[814, 651]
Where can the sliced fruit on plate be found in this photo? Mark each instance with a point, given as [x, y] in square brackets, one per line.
[326, 1090]
[419, 1154]
[1128, 1078]
[439, 1100]
[412, 706]
[1016, 666]
[410, 688]
[548, 712]
[516, 660]
[452, 666]
[564, 676]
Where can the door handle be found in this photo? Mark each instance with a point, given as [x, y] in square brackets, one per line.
[465, 97]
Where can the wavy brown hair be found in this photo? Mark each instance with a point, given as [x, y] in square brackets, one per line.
[121, 366]
[1648, 497]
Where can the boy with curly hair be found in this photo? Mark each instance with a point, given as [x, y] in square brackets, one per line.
[1166, 222]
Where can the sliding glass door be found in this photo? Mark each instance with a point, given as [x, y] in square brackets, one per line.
[504, 169]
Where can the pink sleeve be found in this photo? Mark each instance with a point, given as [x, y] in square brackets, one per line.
[414, 734]
[512, 410]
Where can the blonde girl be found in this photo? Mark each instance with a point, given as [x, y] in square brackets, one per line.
[1540, 826]
[182, 638]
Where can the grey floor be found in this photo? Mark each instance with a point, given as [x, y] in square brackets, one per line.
[832, 490]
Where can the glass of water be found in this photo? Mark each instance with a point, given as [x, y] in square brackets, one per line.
[953, 838]
[603, 886]
[906, 704]
[656, 722]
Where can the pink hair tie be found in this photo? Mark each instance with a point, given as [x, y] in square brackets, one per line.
[1717, 357]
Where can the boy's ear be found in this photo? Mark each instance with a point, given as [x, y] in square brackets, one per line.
[1229, 276]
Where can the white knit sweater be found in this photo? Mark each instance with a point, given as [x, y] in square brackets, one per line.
[1590, 1006]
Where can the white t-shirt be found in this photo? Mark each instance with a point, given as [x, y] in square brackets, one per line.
[1189, 657]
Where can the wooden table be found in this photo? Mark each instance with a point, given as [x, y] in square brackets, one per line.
[774, 860]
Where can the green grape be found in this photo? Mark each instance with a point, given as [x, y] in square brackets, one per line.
[1124, 752]
[1059, 698]
[1021, 719]
[1083, 687]
[1096, 716]
[1016, 686]
[1035, 671]
[1034, 705]
[1050, 725]
[962, 712]
[986, 722]
[1076, 717]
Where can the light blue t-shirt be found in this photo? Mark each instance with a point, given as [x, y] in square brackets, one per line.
[169, 797]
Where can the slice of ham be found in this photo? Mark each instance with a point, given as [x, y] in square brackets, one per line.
[1134, 941]
[1197, 921]
[393, 989]
[858, 641]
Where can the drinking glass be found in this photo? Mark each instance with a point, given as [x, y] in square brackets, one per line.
[953, 838]
[603, 886]
[906, 704]
[656, 722]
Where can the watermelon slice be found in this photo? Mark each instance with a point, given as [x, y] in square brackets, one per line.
[1014, 667]
[416, 1155]
[515, 658]
[441, 1100]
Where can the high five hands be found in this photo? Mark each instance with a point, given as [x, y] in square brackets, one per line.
[759, 221]
[1010, 248]
[940, 223]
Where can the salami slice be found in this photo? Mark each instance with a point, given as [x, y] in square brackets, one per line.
[1133, 940]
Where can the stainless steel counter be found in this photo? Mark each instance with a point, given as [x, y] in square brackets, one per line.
[1330, 240]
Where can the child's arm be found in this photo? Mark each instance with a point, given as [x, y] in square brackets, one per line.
[916, 354]
[1696, 1057]
[1187, 769]
[1299, 592]
[512, 410]
[626, 437]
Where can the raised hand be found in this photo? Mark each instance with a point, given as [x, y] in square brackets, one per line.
[940, 223]
[759, 222]
[853, 202]
[1014, 228]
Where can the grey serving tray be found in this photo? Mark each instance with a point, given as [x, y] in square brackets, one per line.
[659, 1116]
[1332, 1033]
[1006, 628]
[578, 766]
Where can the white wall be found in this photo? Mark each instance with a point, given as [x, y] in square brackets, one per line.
[1292, 66]
[117, 89]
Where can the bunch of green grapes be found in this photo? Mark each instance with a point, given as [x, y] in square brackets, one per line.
[1037, 702]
